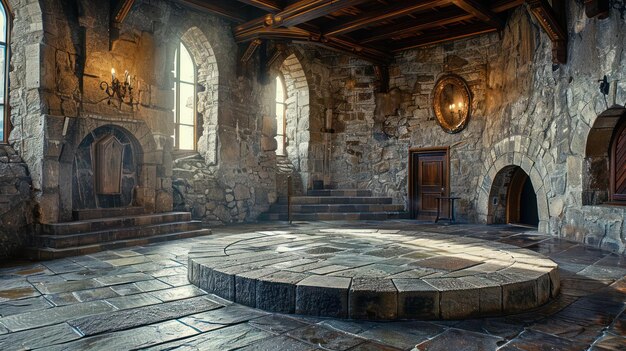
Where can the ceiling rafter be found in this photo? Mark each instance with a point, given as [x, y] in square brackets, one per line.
[369, 29]
[444, 36]
[225, 9]
[549, 21]
[296, 14]
[426, 22]
[119, 11]
[398, 9]
[479, 11]
[336, 43]
[430, 21]
[265, 5]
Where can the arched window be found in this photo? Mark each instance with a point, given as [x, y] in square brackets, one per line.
[185, 109]
[281, 108]
[618, 164]
[4, 71]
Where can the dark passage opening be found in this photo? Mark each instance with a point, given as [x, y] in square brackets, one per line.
[529, 213]
[513, 199]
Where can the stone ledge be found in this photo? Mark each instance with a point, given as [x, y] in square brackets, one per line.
[374, 275]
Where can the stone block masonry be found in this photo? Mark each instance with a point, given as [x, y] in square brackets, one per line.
[526, 112]
[373, 274]
[16, 205]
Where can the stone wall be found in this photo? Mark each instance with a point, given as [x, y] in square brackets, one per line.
[74, 55]
[526, 112]
[16, 205]
[16, 208]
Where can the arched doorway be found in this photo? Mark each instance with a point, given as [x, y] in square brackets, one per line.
[513, 199]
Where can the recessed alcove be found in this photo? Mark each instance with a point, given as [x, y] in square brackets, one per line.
[598, 169]
[513, 199]
[106, 169]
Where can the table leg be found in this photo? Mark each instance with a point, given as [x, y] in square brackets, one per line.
[452, 219]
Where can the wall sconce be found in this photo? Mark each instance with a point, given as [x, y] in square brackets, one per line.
[120, 90]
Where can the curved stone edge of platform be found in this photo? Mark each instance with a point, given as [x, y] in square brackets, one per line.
[252, 281]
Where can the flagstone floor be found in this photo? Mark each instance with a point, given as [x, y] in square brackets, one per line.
[140, 298]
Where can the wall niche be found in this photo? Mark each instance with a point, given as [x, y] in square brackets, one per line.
[105, 169]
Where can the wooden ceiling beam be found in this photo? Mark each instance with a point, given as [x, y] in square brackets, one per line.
[225, 9]
[343, 45]
[265, 5]
[296, 14]
[121, 10]
[425, 22]
[476, 9]
[444, 36]
[247, 54]
[397, 10]
[504, 5]
[548, 20]
[307, 10]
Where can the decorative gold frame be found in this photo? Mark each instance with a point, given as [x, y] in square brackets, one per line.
[452, 121]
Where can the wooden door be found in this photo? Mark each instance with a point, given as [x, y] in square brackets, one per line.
[428, 180]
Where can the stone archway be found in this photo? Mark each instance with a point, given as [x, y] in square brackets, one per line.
[526, 154]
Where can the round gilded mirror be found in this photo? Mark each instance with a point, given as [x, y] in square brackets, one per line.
[452, 103]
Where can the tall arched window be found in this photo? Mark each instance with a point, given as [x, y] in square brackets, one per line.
[4, 72]
[281, 109]
[185, 109]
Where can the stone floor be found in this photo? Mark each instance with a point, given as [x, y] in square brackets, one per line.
[140, 298]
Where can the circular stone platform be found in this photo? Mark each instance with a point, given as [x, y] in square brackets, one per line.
[373, 274]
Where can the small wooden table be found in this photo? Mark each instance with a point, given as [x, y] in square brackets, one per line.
[451, 200]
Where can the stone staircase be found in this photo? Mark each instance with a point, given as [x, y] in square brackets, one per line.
[336, 204]
[99, 230]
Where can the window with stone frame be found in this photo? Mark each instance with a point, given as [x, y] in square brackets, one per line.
[618, 163]
[185, 108]
[281, 110]
[4, 71]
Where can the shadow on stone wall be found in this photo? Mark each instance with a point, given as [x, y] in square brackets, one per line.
[16, 205]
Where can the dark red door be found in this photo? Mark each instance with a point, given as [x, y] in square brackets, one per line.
[429, 180]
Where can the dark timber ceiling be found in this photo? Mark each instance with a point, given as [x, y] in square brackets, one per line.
[371, 29]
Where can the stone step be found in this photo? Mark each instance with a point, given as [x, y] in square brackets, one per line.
[352, 200]
[94, 225]
[52, 253]
[325, 208]
[337, 216]
[126, 233]
[96, 213]
[339, 192]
